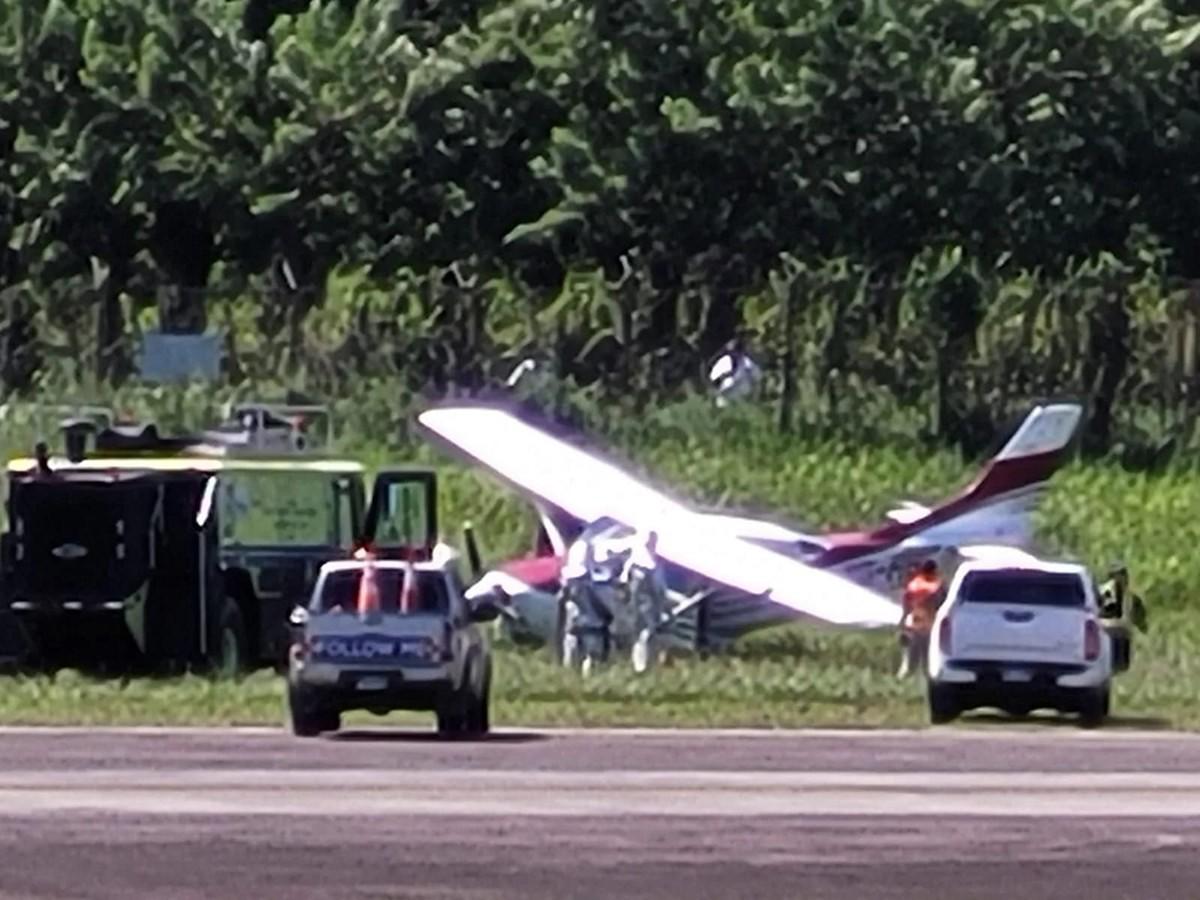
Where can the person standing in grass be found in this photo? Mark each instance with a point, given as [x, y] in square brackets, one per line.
[1121, 610]
[919, 605]
[648, 595]
[734, 374]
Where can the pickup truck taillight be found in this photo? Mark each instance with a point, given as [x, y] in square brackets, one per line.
[301, 649]
[944, 635]
[1091, 640]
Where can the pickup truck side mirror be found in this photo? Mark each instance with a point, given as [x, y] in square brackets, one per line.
[298, 617]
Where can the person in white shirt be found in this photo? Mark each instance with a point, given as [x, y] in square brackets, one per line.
[587, 619]
[647, 588]
[734, 374]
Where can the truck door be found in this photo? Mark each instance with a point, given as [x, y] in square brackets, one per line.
[401, 518]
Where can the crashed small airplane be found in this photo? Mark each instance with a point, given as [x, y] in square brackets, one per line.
[728, 575]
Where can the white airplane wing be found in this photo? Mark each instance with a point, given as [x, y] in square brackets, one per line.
[590, 488]
[908, 511]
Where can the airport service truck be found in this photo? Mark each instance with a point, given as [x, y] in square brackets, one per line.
[135, 550]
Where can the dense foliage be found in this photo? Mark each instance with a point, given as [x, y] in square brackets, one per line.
[943, 205]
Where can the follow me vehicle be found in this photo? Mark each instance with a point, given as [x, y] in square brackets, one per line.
[383, 635]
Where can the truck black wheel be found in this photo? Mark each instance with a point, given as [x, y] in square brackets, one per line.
[229, 654]
[943, 705]
[452, 716]
[485, 709]
[1094, 707]
[479, 713]
[459, 714]
[305, 716]
[18, 649]
[450, 720]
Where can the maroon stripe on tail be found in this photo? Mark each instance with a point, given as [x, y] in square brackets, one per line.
[1000, 477]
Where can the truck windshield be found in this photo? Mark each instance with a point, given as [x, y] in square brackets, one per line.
[1025, 588]
[273, 508]
[341, 589]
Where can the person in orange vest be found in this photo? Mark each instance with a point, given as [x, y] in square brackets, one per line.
[922, 594]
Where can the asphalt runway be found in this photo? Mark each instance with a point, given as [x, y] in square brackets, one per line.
[945, 813]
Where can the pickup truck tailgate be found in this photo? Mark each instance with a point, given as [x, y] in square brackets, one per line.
[1020, 616]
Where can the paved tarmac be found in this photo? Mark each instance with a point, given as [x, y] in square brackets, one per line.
[947, 813]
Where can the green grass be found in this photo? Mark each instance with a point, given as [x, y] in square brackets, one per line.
[795, 676]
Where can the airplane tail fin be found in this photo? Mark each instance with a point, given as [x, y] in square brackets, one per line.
[997, 506]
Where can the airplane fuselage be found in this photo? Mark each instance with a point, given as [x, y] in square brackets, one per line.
[533, 584]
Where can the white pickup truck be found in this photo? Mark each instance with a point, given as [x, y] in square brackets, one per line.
[1020, 636]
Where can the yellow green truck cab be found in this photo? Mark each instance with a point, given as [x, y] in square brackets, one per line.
[187, 552]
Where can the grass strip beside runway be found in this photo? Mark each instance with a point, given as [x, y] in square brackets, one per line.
[792, 677]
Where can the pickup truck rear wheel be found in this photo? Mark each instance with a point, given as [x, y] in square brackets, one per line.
[466, 712]
[454, 712]
[478, 721]
[450, 720]
[308, 724]
[1094, 707]
[943, 705]
[306, 718]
